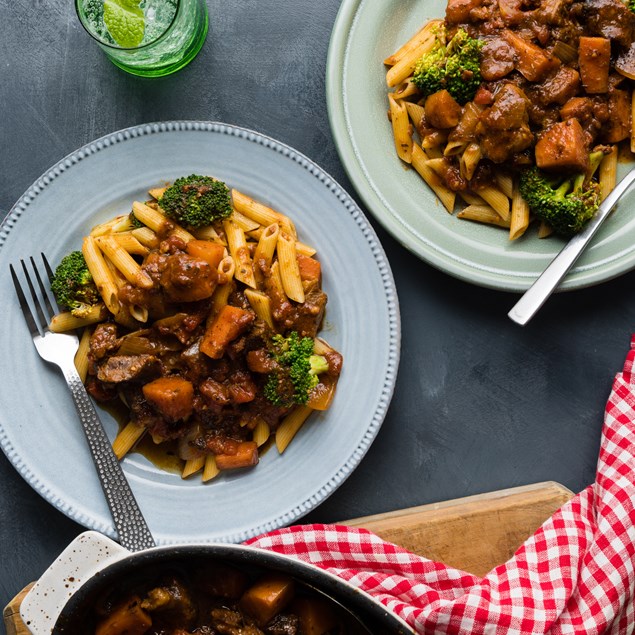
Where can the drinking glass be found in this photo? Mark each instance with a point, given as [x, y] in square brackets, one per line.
[160, 36]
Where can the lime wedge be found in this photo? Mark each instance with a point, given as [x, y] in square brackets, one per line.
[125, 21]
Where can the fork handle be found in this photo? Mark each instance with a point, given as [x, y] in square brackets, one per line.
[131, 526]
[542, 288]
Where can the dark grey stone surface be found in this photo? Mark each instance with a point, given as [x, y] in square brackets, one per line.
[480, 404]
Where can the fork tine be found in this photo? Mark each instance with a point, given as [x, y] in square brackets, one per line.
[49, 271]
[36, 302]
[47, 302]
[24, 305]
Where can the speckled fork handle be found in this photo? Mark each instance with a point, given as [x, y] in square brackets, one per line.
[60, 349]
[133, 531]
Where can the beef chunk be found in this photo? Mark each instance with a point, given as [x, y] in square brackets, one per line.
[610, 19]
[103, 340]
[503, 129]
[187, 279]
[120, 368]
[560, 87]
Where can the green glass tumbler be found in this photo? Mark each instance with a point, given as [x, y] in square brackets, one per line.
[170, 33]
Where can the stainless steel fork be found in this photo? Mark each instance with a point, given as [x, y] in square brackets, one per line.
[60, 349]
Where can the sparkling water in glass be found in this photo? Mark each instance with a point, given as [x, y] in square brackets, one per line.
[173, 33]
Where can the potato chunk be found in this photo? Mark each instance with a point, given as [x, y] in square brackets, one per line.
[127, 619]
[563, 147]
[267, 597]
[442, 111]
[594, 57]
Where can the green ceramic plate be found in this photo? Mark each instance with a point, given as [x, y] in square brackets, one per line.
[367, 31]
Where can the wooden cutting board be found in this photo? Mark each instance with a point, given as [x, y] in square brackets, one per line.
[474, 534]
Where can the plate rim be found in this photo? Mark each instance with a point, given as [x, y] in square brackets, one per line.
[375, 247]
[337, 109]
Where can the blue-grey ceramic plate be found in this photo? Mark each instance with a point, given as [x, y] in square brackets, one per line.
[365, 33]
[39, 430]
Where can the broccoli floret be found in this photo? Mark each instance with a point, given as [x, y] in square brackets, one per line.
[455, 67]
[73, 284]
[298, 370]
[566, 205]
[195, 201]
[631, 5]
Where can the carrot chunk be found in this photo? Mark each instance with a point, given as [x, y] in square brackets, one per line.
[246, 456]
[211, 253]
[594, 57]
[310, 268]
[173, 397]
[230, 322]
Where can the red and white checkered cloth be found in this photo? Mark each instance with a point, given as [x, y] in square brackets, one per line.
[574, 575]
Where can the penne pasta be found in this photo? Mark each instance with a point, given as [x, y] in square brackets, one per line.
[275, 281]
[261, 433]
[406, 89]
[608, 173]
[420, 36]
[139, 313]
[192, 466]
[266, 248]
[433, 141]
[289, 270]
[220, 297]
[261, 304]
[126, 439]
[519, 220]
[158, 222]
[262, 214]
[496, 199]
[210, 470]
[157, 192]
[416, 112]
[472, 199]
[117, 224]
[444, 193]
[209, 233]
[290, 426]
[81, 356]
[101, 274]
[483, 214]
[240, 253]
[124, 262]
[146, 237]
[245, 223]
[401, 129]
[130, 243]
[505, 182]
[405, 65]
[125, 318]
[66, 321]
[470, 160]
[544, 230]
